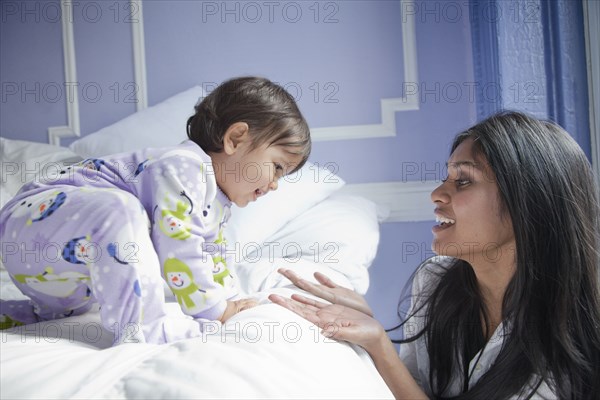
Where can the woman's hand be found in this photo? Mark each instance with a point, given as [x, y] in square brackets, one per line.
[335, 320]
[234, 307]
[328, 290]
[349, 324]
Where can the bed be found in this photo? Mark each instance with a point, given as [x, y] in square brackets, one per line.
[309, 224]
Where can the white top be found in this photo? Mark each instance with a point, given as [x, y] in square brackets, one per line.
[415, 356]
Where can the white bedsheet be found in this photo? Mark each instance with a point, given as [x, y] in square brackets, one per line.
[263, 352]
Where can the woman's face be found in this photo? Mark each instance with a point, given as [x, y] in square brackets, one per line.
[471, 225]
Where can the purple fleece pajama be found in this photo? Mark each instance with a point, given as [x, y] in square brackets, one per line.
[105, 230]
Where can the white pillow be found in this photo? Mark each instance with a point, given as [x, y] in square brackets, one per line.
[337, 237]
[340, 233]
[161, 125]
[253, 224]
[22, 160]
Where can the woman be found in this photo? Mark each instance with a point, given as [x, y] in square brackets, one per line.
[510, 307]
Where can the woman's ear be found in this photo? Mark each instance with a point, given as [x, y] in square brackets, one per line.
[234, 136]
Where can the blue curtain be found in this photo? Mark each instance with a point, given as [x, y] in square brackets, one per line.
[559, 86]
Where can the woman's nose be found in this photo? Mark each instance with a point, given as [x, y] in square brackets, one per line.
[440, 194]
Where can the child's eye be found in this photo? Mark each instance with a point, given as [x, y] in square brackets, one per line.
[278, 167]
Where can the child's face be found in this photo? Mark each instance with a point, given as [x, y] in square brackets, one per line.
[247, 175]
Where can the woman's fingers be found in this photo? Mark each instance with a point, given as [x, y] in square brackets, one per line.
[327, 317]
[307, 311]
[308, 301]
[290, 275]
[301, 309]
[318, 290]
[296, 280]
[324, 280]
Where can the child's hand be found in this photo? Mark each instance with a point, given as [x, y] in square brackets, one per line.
[234, 307]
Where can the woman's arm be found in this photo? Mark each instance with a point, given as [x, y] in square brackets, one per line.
[394, 372]
[343, 323]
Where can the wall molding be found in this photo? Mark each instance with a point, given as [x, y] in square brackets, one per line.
[139, 56]
[72, 129]
[389, 107]
[398, 201]
[55, 133]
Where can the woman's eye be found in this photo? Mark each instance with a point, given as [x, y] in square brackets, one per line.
[458, 182]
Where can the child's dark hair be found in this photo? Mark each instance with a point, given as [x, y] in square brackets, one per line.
[269, 110]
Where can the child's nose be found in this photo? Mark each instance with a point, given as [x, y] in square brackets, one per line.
[273, 185]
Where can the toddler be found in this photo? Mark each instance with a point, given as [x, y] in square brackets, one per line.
[106, 229]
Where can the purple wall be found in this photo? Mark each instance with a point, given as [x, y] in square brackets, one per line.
[32, 91]
[339, 58]
[104, 63]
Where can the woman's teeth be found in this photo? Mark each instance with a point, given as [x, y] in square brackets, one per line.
[444, 220]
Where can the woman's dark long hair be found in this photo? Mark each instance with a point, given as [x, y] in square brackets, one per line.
[552, 303]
